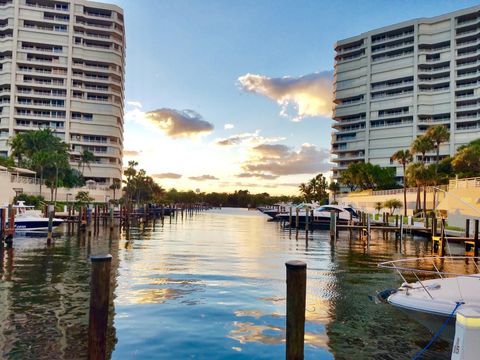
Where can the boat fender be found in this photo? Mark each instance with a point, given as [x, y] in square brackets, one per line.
[382, 296]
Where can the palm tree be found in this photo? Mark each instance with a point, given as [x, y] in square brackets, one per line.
[334, 188]
[438, 134]
[403, 157]
[421, 145]
[306, 191]
[86, 158]
[116, 185]
[420, 175]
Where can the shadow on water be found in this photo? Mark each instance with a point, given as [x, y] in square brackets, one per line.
[205, 286]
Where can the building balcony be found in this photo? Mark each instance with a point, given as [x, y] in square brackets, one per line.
[385, 38]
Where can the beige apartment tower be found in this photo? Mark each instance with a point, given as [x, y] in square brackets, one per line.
[62, 67]
[392, 83]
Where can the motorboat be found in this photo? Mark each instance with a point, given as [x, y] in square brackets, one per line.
[321, 215]
[448, 283]
[29, 219]
[273, 210]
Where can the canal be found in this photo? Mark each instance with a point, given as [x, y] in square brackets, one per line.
[208, 286]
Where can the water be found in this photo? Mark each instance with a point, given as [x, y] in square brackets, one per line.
[211, 286]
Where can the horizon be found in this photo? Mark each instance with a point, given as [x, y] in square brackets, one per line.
[222, 97]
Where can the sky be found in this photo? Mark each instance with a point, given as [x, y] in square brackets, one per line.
[229, 95]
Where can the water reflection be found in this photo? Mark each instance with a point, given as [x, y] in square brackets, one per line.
[211, 285]
[45, 294]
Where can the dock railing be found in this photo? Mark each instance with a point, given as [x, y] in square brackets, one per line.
[467, 183]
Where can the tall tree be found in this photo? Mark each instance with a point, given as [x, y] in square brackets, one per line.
[334, 188]
[421, 145]
[466, 161]
[403, 157]
[86, 158]
[35, 150]
[305, 191]
[438, 134]
[116, 185]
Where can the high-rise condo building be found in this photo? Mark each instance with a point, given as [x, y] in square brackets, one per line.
[62, 67]
[392, 83]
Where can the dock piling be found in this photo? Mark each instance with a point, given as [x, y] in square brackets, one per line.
[99, 302]
[296, 301]
[475, 237]
[50, 224]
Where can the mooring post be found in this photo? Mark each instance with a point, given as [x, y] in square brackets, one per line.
[297, 222]
[11, 225]
[333, 225]
[290, 223]
[475, 236]
[2, 225]
[311, 221]
[396, 221]
[50, 223]
[401, 227]
[111, 215]
[306, 222]
[467, 228]
[435, 226]
[368, 231]
[442, 236]
[296, 301]
[99, 302]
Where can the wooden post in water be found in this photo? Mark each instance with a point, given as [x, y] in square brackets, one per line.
[306, 223]
[99, 301]
[2, 225]
[296, 301]
[297, 222]
[50, 224]
[442, 236]
[396, 221]
[401, 227]
[111, 217]
[290, 223]
[467, 228]
[11, 225]
[435, 226]
[476, 239]
[333, 225]
[311, 221]
[368, 231]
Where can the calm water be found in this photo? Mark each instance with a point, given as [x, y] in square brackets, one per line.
[211, 286]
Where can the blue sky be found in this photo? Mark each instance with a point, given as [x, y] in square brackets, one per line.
[192, 55]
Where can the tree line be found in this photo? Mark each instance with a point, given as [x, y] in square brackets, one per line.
[418, 172]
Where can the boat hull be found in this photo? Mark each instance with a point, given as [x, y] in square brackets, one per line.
[31, 225]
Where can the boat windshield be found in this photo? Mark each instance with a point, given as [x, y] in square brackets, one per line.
[351, 211]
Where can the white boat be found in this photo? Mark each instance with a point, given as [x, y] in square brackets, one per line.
[321, 214]
[29, 219]
[441, 292]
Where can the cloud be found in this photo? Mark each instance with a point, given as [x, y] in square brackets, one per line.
[203, 178]
[167, 176]
[131, 153]
[257, 175]
[176, 123]
[136, 104]
[228, 126]
[246, 139]
[299, 97]
[277, 159]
